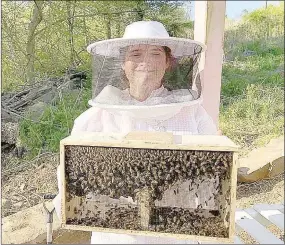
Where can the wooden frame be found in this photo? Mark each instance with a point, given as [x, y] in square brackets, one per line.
[157, 141]
[209, 26]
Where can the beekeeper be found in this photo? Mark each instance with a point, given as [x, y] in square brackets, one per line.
[144, 81]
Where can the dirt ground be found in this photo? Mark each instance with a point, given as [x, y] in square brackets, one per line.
[25, 183]
[268, 191]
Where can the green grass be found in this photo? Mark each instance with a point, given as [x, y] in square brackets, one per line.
[55, 123]
[251, 70]
[252, 99]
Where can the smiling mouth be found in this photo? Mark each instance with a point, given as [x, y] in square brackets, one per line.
[146, 71]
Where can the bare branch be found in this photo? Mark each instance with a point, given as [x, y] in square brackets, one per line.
[81, 16]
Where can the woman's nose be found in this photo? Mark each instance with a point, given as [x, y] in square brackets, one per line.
[147, 61]
[145, 65]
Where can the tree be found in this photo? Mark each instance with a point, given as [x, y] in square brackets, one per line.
[37, 17]
[70, 7]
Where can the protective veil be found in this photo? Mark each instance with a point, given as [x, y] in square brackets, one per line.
[146, 71]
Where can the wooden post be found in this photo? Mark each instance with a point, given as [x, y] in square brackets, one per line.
[209, 29]
[200, 27]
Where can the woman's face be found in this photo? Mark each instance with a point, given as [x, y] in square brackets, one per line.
[144, 67]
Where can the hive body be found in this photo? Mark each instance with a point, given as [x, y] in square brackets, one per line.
[140, 187]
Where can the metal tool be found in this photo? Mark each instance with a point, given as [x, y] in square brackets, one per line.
[49, 217]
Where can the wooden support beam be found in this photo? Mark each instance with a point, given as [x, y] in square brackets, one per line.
[209, 29]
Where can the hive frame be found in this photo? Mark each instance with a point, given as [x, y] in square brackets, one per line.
[154, 141]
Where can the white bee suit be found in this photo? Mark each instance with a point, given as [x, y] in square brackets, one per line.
[162, 72]
[188, 120]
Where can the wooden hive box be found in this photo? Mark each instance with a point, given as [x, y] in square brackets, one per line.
[150, 184]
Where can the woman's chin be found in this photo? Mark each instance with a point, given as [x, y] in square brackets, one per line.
[146, 83]
[139, 98]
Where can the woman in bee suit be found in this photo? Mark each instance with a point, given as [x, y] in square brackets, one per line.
[146, 81]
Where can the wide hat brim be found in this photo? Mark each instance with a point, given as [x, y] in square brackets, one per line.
[179, 46]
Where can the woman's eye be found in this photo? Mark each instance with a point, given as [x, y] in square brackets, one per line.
[156, 54]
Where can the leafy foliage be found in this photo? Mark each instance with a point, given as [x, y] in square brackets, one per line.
[66, 29]
[262, 28]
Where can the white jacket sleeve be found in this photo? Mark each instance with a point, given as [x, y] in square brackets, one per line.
[206, 125]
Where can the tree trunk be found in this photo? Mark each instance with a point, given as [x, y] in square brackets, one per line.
[140, 12]
[108, 26]
[30, 48]
[70, 22]
[118, 28]
[267, 28]
[87, 39]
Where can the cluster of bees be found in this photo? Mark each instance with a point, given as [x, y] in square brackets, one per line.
[117, 172]
[184, 221]
[124, 172]
[164, 219]
[115, 218]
